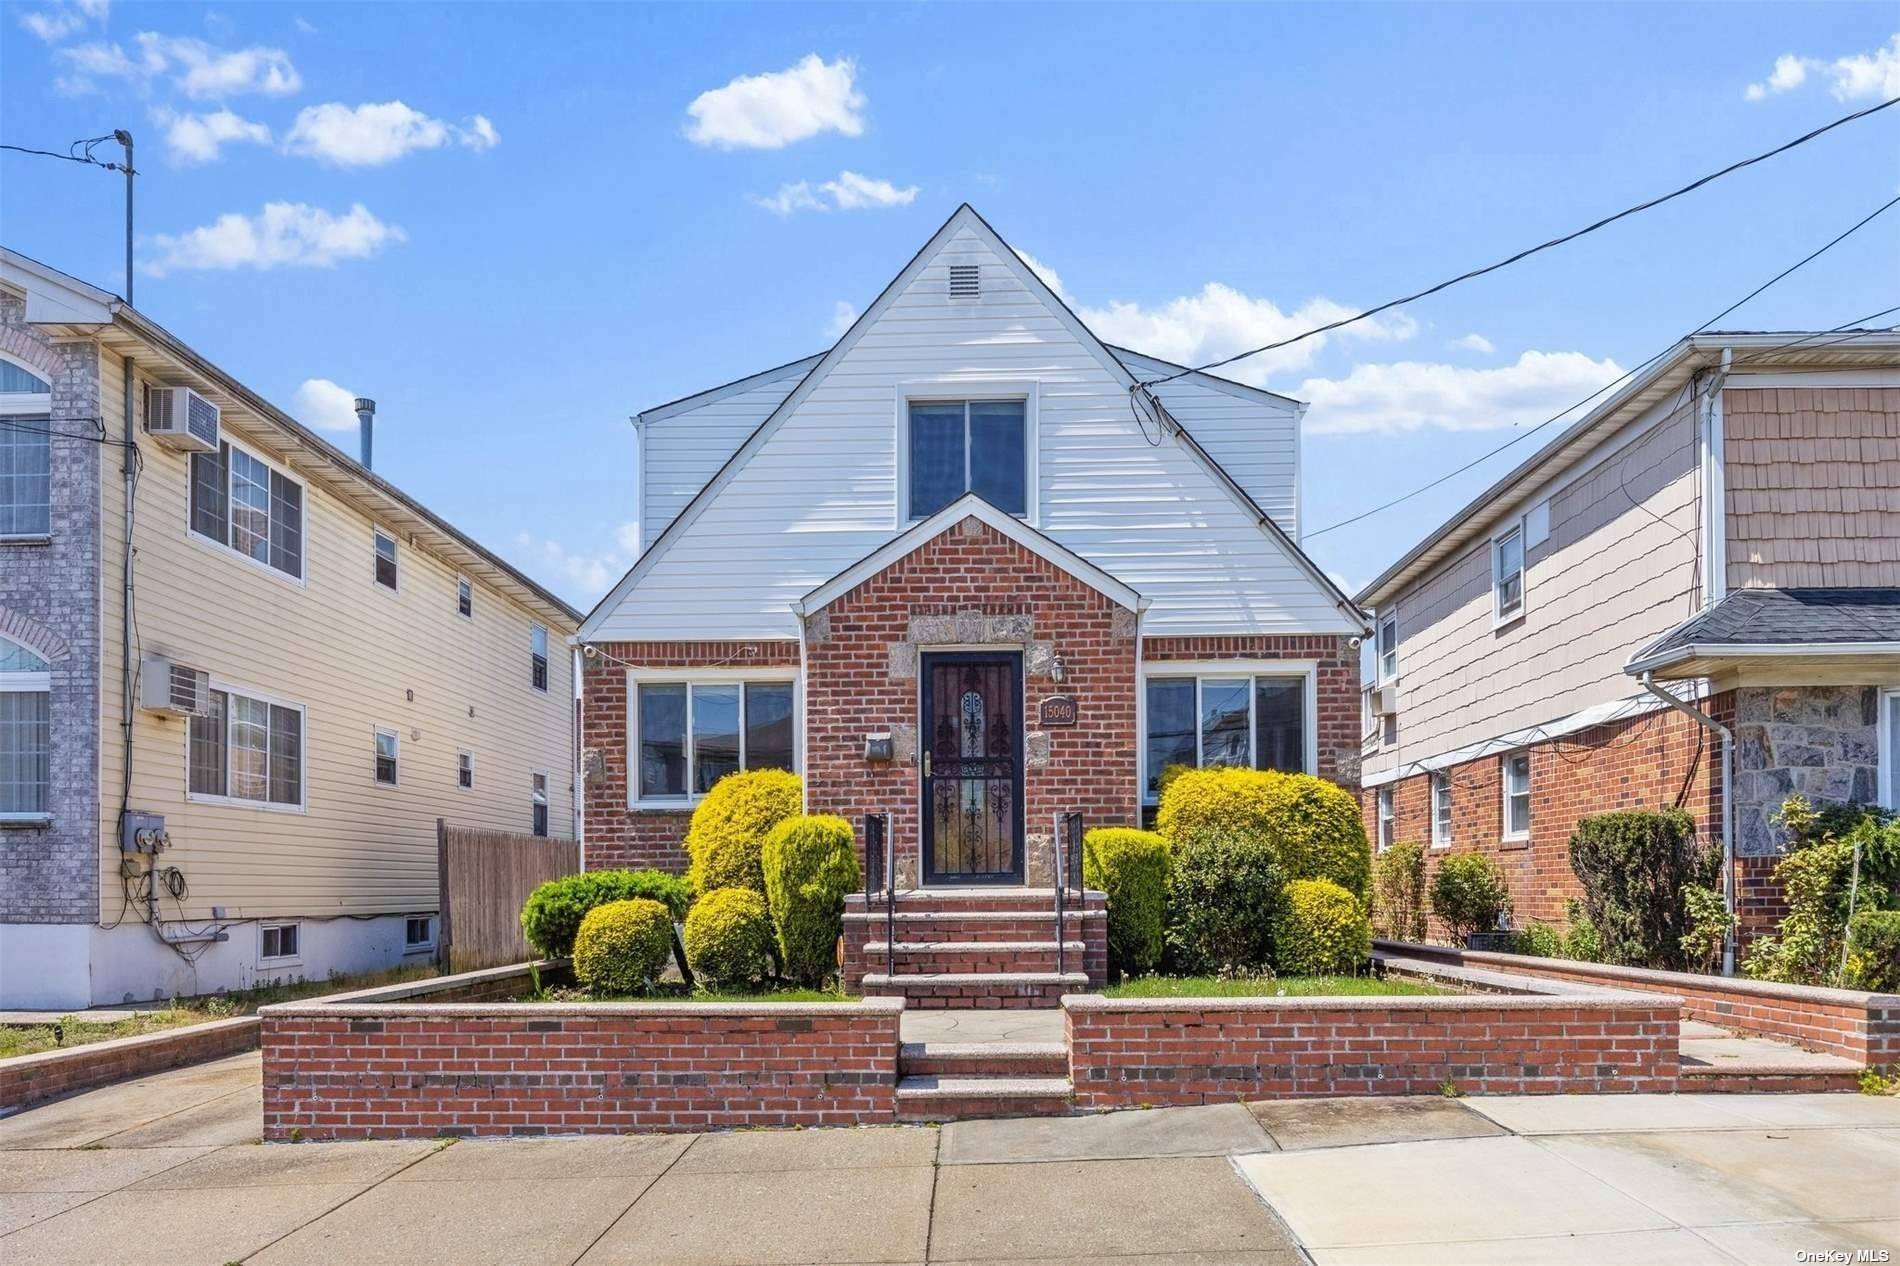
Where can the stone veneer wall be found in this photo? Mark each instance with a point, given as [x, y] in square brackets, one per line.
[1821, 741]
[49, 601]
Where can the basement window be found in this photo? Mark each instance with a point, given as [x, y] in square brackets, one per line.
[277, 942]
[418, 932]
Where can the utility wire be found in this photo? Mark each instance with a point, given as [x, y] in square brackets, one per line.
[1606, 221]
[77, 152]
[1616, 382]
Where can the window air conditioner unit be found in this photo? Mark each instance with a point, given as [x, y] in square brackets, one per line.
[180, 418]
[174, 689]
[1385, 701]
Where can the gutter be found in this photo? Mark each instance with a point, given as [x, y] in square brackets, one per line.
[1708, 722]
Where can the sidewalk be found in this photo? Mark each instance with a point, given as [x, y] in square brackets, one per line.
[168, 1170]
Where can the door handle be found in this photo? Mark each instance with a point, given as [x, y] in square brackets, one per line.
[926, 764]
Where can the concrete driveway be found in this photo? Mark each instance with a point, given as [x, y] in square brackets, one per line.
[169, 1170]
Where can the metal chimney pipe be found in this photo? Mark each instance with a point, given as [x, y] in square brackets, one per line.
[366, 423]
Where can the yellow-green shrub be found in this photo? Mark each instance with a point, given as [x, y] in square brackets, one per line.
[1321, 930]
[622, 946]
[1313, 826]
[1398, 892]
[1131, 867]
[728, 939]
[1222, 895]
[729, 827]
[810, 864]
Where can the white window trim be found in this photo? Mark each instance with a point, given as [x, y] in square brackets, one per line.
[1504, 786]
[955, 389]
[1386, 619]
[1889, 780]
[396, 737]
[413, 947]
[1198, 669]
[28, 404]
[547, 783]
[282, 960]
[395, 559]
[303, 753]
[690, 677]
[1499, 619]
[458, 770]
[460, 581]
[1440, 779]
[224, 548]
[1388, 820]
[28, 682]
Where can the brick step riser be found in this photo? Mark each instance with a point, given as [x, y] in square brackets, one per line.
[1042, 904]
[864, 928]
[1746, 1083]
[1053, 1065]
[968, 1108]
[973, 997]
[975, 959]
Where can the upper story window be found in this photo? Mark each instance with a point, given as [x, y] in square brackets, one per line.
[538, 804]
[247, 749]
[385, 560]
[1441, 810]
[959, 446]
[387, 744]
[538, 656]
[1507, 575]
[465, 769]
[26, 453]
[689, 735]
[1224, 718]
[1517, 796]
[25, 732]
[1388, 646]
[464, 597]
[241, 502]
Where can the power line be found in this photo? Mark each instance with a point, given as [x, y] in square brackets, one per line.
[1805, 260]
[77, 152]
[1606, 221]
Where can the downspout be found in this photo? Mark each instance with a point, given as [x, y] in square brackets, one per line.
[798, 731]
[577, 767]
[1708, 722]
[1141, 718]
[127, 671]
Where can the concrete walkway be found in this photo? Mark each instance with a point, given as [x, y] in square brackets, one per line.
[168, 1170]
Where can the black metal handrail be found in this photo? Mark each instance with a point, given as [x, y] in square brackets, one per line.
[880, 873]
[1067, 846]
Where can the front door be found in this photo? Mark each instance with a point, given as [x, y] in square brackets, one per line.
[972, 740]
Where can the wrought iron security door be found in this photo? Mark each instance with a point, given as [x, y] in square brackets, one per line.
[972, 767]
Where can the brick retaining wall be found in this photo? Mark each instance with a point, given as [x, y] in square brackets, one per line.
[30, 1079]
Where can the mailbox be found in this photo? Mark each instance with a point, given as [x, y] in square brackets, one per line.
[877, 747]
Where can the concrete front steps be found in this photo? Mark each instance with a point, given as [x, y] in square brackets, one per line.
[952, 1081]
[974, 947]
[1715, 1060]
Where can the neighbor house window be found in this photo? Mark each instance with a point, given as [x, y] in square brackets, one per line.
[959, 446]
[464, 597]
[1253, 720]
[1385, 817]
[242, 503]
[538, 657]
[387, 744]
[1507, 574]
[689, 735]
[538, 804]
[465, 769]
[26, 452]
[1441, 810]
[1888, 736]
[385, 560]
[419, 932]
[1517, 796]
[25, 732]
[246, 749]
[1388, 647]
[277, 941]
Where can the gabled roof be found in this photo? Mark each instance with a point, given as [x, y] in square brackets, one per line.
[964, 217]
[1756, 623]
[672, 408]
[969, 506]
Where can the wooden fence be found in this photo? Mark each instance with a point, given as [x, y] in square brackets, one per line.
[484, 877]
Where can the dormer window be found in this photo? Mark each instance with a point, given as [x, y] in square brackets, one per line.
[959, 446]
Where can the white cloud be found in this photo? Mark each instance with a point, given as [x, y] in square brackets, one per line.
[1850, 78]
[371, 135]
[1410, 395]
[200, 138]
[843, 317]
[1476, 343]
[1050, 277]
[583, 577]
[773, 110]
[305, 25]
[849, 192]
[197, 69]
[324, 406]
[62, 20]
[283, 235]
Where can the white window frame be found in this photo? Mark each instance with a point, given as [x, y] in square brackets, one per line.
[460, 757]
[1499, 618]
[1200, 669]
[229, 688]
[1504, 785]
[690, 677]
[28, 682]
[31, 404]
[546, 784]
[1387, 674]
[375, 755]
[1884, 735]
[377, 537]
[463, 586]
[1387, 817]
[1441, 823]
[224, 547]
[949, 390]
[422, 946]
[280, 960]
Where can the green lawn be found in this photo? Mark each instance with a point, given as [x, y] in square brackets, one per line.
[1263, 987]
[673, 991]
[58, 1034]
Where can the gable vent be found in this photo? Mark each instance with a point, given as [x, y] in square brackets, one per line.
[965, 281]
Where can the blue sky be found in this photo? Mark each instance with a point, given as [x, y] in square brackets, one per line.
[511, 225]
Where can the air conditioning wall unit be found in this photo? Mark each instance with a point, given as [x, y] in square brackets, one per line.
[174, 689]
[1385, 700]
[180, 418]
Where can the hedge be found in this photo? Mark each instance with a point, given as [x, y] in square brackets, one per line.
[810, 864]
[1131, 867]
[1313, 827]
[1398, 892]
[728, 828]
[622, 946]
[1223, 893]
[1634, 866]
[1873, 956]
[729, 939]
[1322, 930]
[1469, 894]
[554, 910]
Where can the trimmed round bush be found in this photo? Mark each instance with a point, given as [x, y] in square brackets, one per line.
[1469, 894]
[1131, 867]
[810, 864]
[1222, 895]
[1314, 827]
[622, 946]
[729, 828]
[728, 939]
[554, 910]
[1322, 930]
